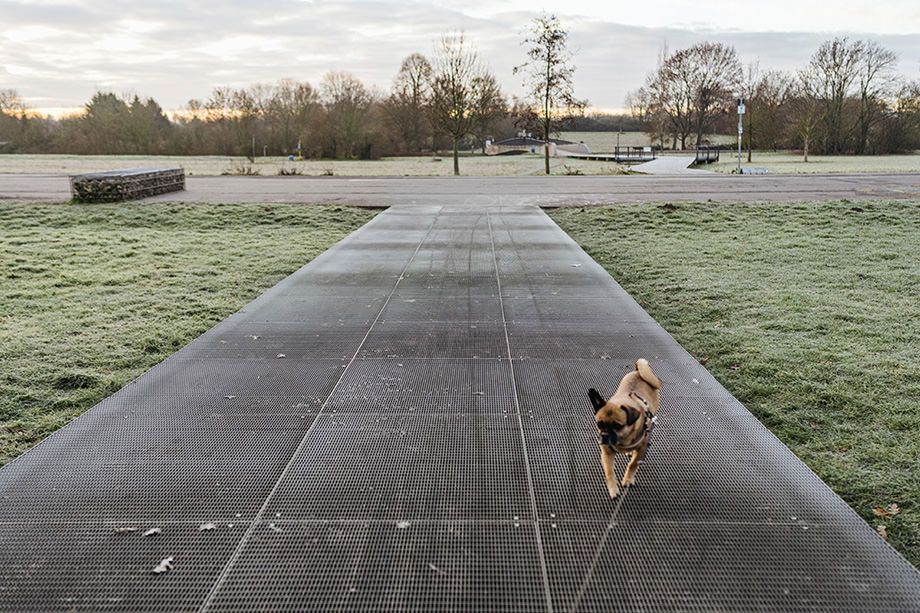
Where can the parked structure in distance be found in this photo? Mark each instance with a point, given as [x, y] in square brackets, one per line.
[528, 144]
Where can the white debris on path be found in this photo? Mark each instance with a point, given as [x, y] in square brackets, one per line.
[164, 566]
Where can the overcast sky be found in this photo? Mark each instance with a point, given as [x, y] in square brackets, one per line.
[57, 52]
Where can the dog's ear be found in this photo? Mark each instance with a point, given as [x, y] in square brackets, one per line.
[631, 415]
[597, 401]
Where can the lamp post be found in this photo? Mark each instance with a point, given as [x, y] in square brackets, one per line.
[740, 130]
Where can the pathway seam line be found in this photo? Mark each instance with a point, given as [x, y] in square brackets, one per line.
[221, 579]
[517, 405]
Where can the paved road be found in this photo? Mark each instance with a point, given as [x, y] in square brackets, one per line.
[402, 425]
[546, 191]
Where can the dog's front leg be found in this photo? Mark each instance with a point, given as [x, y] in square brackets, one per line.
[608, 461]
[635, 460]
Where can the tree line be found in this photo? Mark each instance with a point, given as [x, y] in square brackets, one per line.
[847, 99]
[449, 102]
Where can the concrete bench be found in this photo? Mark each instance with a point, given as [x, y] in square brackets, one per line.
[132, 184]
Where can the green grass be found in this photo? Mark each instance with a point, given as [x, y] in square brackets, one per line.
[808, 313]
[94, 295]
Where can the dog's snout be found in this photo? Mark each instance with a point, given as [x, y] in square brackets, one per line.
[608, 426]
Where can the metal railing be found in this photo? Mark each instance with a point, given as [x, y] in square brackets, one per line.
[707, 155]
[634, 154]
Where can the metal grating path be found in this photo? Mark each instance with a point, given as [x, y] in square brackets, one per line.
[426, 443]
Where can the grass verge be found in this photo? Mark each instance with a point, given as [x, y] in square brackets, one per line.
[808, 313]
[792, 163]
[94, 295]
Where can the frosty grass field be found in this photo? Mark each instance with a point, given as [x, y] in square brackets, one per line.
[470, 164]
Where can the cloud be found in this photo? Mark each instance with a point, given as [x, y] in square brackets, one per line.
[57, 53]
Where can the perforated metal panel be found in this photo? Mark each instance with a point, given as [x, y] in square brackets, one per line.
[403, 424]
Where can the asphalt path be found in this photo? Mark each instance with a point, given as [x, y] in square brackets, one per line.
[491, 191]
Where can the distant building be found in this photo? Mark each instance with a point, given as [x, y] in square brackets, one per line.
[527, 144]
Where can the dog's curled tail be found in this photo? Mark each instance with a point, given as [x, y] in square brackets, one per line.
[645, 371]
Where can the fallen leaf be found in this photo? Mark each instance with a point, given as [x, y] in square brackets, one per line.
[152, 531]
[208, 526]
[165, 566]
[402, 525]
[888, 511]
[882, 532]
[703, 361]
[280, 355]
[606, 356]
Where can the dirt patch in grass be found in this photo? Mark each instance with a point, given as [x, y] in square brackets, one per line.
[808, 313]
[94, 295]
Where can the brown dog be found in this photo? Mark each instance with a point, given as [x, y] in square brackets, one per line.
[625, 422]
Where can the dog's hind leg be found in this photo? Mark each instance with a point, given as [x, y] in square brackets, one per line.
[608, 461]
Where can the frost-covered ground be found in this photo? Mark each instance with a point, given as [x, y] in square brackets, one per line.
[792, 163]
[478, 165]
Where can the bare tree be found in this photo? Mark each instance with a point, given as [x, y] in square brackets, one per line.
[875, 81]
[693, 87]
[15, 119]
[834, 68]
[407, 105]
[549, 73]
[646, 105]
[715, 75]
[642, 107]
[464, 94]
[523, 117]
[806, 106]
[11, 104]
[671, 91]
[290, 111]
[769, 100]
[765, 94]
[347, 104]
[907, 116]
